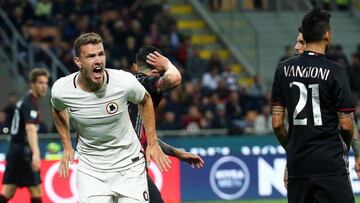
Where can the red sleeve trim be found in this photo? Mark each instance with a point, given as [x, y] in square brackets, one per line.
[346, 109]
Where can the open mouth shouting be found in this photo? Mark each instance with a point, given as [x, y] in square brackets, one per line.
[97, 73]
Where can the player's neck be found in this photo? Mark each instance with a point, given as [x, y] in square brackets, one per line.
[33, 93]
[89, 86]
[318, 47]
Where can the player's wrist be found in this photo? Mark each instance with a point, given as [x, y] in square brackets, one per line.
[167, 65]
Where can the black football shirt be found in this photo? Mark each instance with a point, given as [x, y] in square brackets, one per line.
[27, 111]
[313, 89]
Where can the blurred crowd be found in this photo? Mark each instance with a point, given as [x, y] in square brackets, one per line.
[210, 96]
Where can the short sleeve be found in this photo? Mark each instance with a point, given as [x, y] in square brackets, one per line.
[136, 91]
[277, 98]
[56, 101]
[150, 84]
[30, 113]
[343, 98]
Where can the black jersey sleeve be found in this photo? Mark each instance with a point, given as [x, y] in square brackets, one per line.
[150, 84]
[343, 98]
[30, 112]
[277, 98]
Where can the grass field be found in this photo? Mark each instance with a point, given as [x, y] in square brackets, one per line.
[357, 199]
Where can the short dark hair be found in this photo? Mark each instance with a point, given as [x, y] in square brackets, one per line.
[315, 24]
[84, 39]
[141, 57]
[37, 72]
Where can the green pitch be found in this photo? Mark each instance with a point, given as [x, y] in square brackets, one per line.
[357, 199]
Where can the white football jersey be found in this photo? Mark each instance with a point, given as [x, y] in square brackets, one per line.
[107, 140]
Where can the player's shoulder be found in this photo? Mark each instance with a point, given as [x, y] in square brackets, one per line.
[290, 60]
[26, 100]
[333, 65]
[65, 83]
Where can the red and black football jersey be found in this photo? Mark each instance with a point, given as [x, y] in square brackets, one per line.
[313, 89]
[150, 84]
[27, 111]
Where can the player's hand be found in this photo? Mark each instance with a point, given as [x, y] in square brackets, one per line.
[155, 153]
[194, 160]
[286, 177]
[36, 160]
[157, 60]
[357, 166]
[68, 156]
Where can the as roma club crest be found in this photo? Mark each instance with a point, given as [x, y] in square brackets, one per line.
[112, 107]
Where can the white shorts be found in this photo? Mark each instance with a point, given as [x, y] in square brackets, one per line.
[127, 186]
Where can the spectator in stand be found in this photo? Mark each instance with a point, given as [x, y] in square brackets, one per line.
[164, 19]
[248, 124]
[174, 104]
[262, 125]
[215, 61]
[210, 80]
[154, 34]
[222, 89]
[193, 120]
[194, 64]
[169, 122]
[230, 77]
[234, 112]
[220, 117]
[184, 50]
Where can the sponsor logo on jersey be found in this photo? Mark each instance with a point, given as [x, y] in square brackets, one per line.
[229, 178]
[112, 107]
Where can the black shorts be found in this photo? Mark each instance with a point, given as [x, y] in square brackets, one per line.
[323, 189]
[154, 193]
[18, 169]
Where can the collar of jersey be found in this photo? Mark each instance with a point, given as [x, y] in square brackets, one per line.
[312, 53]
[77, 74]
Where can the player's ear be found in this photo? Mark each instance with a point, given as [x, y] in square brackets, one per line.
[135, 67]
[77, 62]
[327, 36]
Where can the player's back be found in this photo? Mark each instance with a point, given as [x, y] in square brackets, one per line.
[26, 112]
[313, 89]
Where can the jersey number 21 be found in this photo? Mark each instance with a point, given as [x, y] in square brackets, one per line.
[315, 100]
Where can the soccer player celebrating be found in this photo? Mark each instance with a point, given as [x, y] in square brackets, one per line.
[23, 159]
[111, 165]
[317, 97]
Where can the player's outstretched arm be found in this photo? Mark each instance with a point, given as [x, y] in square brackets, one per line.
[192, 159]
[278, 115]
[61, 120]
[153, 150]
[171, 77]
